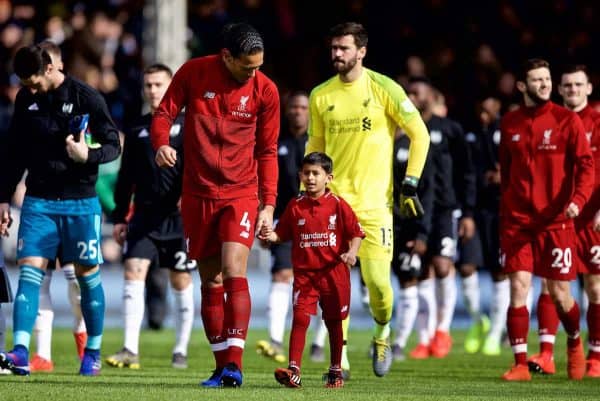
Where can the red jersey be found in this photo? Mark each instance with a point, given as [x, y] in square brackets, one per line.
[591, 124]
[545, 163]
[320, 230]
[230, 130]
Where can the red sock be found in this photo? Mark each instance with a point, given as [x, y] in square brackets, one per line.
[517, 322]
[336, 342]
[547, 323]
[212, 312]
[570, 321]
[300, 324]
[237, 317]
[593, 321]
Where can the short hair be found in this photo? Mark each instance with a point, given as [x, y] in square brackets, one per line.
[532, 64]
[420, 80]
[31, 60]
[361, 38]
[158, 67]
[51, 47]
[573, 68]
[242, 39]
[319, 159]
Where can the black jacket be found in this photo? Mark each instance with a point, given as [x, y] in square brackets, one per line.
[290, 152]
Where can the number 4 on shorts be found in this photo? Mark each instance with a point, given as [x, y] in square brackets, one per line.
[246, 224]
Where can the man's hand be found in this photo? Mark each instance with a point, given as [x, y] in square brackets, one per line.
[417, 246]
[166, 156]
[77, 150]
[597, 222]
[466, 228]
[264, 221]
[5, 219]
[572, 210]
[410, 206]
[120, 233]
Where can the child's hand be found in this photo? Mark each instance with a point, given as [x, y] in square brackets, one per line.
[265, 232]
[349, 258]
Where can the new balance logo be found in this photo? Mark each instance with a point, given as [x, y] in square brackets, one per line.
[330, 108]
[244, 234]
[67, 108]
[209, 95]
[301, 222]
[366, 103]
[344, 308]
[366, 124]
[516, 138]
[588, 135]
[34, 106]
[143, 133]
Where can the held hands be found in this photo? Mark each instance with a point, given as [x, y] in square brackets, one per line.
[466, 228]
[77, 150]
[410, 206]
[5, 219]
[572, 211]
[166, 156]
[349, 258]
[120, 233]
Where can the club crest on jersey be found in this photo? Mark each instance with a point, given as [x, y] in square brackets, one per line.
[67, 108]
[332, 220]
[241, 108]
[546, 142]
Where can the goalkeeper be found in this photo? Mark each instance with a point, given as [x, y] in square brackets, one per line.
[353, 118]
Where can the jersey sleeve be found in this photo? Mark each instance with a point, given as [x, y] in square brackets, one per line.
[464, 177]
[284, 225]
[316, 128]
[504, 160]
[352, 228]
[124, 186]
[104, 131]
[267, 132]
[171, 104]
[579, 148]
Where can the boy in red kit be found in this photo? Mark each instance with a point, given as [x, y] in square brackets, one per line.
[575, 87]
[325, 236]
[229, 177]
[547, 174]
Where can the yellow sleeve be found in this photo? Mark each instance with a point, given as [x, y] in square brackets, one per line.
[419, 146]
[316, 130]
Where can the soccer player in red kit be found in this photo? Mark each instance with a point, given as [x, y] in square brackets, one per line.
[547, 177]
[575, 87]
[229, 180]
[325, 236]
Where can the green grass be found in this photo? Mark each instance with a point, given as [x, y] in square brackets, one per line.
[458, 377]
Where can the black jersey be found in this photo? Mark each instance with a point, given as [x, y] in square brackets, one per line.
[155, 190]
[489, 145]
[36, 142]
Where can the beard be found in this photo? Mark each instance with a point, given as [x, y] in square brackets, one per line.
[344, 67]
[536, 98]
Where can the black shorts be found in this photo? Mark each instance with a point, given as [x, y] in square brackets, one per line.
[282, 256]
[487, 221]
[470, 252]
[5, 290]
[442, 240]
[404, 265]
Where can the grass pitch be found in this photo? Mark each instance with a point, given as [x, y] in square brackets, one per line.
[458, 377]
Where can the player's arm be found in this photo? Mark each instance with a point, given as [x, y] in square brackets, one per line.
[353, 233]
[504, 159]
[316, 128]
[349, 257]
[104, 132]
[580, 151]
[173, 101]
[125, 182]
[265, 151]
[464, 178]
[427, 196]
[11, 158]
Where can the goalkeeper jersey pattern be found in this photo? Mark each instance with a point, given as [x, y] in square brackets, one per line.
[354, 123]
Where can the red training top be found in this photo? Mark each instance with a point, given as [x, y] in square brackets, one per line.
[230, 130]
[591, 124]
[545, 163]
[320, 230]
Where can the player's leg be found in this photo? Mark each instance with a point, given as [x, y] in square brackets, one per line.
[278, 302]
[79, 331]
[183, 292]
[426, 319]
[592, 289]
[5, 297]
[157, 283]
[548, 321]
[317, 348]
[446, 293]
[41, 361]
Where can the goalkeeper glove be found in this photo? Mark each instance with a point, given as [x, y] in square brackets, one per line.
[410, 206]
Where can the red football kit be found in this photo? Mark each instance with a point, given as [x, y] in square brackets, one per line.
[546, 163]
[320, 230]
[230, 150]
[589, 240]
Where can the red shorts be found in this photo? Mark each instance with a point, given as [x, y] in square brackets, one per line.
[208, 223]
[329, 287]
[548, 254]
[588, 250]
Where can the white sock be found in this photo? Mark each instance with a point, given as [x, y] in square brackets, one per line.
[278, 305]
[321, 333]
[470, 288]
[2, 330]
[184, 318]
[427, 313]
[446, 301]
[500, 302]
[133, 313]
[406, 313]
[43, 322]
[74, 298]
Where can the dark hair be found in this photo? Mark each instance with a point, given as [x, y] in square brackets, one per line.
[573, 68]
[158, 67]
[532, 64]
[50, 47]
[242, 39]
[319, 159]
[420, 80]
[31, 60]
[351, 28]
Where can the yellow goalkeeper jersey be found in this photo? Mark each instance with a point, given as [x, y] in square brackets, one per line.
[355, 123]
